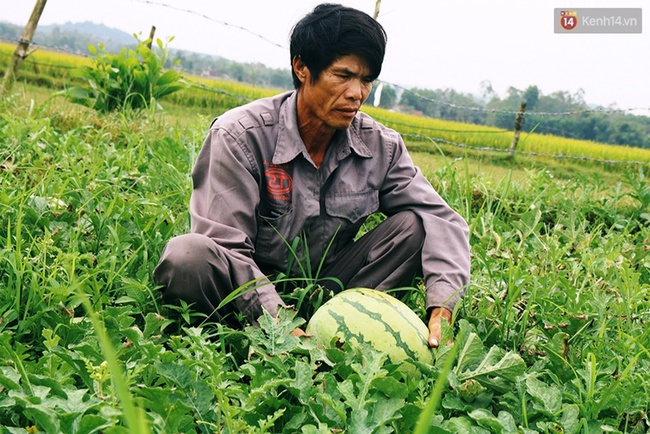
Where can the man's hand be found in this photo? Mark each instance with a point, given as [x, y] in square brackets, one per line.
[299, 333]
[435, 324]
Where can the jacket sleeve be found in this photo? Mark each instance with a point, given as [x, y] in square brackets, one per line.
[445, 253]
[223, 207]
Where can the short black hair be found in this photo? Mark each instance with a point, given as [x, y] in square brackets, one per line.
[331, 31]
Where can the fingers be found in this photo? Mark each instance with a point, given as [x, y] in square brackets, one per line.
[298, 333]
[437, 315]
[434, 336]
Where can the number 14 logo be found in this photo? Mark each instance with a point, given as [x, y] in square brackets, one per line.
[568, 20]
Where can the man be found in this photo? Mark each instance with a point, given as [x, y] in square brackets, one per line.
[309, 164]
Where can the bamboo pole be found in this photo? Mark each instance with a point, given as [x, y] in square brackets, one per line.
[152, 33]
[22, 48]
[376, 14]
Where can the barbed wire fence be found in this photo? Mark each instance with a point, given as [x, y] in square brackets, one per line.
[406, 135]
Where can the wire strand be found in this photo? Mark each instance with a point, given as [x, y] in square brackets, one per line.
[214, 20]
[435, 140]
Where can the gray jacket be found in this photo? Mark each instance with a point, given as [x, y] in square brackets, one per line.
[256, 189]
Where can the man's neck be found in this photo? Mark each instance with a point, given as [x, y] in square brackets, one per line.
[316, 139]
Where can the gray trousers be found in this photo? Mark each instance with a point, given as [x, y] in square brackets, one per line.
[197, 270]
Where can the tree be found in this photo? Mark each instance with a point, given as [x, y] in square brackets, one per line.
[531, 96]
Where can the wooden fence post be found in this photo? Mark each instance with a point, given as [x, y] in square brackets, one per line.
[23, 45]
[151, 35]
[519, 119]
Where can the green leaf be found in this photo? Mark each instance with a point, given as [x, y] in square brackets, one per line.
[496, 365]
[44, 418]
[274, 334]
[332, 408]
[470, 389]
[155, 324]
[301, 385]
[72, 358]
[570, 419]
[350, 394]
[164, 402]
[391, 387]
[487, 420]
[555, 349]
[550, 397]
[462, 425]
[508, 422]
[179, 374]
[470, 346]
[9, 378]
[92, 423]
[200, 396]
[384, 411]
[311, 429]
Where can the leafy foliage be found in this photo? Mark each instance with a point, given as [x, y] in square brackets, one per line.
[132, 79]
[552, 335]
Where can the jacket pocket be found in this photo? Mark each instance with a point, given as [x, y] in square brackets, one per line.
[270, 246]
[352, 206]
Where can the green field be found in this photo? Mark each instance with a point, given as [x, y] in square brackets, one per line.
[552, 335]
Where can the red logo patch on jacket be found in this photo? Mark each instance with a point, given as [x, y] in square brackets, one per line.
[278, 182]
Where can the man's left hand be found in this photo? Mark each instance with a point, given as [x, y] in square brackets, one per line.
[299, 333]
[438, 314]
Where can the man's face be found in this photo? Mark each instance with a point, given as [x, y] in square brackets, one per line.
[336, 96]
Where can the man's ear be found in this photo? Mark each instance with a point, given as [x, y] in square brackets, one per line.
[300, 69]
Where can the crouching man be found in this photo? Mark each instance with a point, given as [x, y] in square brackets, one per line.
[308, 163]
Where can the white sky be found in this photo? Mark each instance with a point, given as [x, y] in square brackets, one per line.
[431, 43]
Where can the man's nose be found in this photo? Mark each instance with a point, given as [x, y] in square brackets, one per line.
[355, 90]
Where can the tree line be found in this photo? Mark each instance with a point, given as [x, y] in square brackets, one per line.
[584, 122]
[449, 104]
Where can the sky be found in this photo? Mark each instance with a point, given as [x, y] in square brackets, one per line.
[432, 44]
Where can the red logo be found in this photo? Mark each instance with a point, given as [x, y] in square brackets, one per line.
[278, 182]
[568, 20]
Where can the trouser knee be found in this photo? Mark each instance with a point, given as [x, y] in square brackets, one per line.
[403, 236]
[185, 254]
[187, 272]
[410, 226]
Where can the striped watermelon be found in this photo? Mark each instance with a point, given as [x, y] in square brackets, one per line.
[367, 315]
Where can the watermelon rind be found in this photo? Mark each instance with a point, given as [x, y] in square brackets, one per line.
[364, 315]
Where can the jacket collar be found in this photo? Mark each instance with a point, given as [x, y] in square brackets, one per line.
[289, 144]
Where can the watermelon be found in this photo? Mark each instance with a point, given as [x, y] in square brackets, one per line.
[362, 315]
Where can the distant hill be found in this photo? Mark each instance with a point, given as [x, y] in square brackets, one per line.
[72, 37]
[98, 31]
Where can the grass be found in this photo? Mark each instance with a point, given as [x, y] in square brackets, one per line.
[552, 335]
